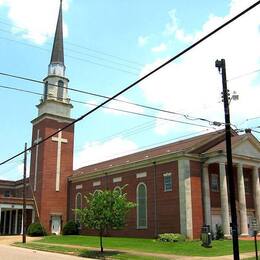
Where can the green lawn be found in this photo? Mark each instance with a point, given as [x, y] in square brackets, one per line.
[192, 248]
[86, 253]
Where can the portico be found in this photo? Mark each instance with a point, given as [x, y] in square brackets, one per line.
[11, 218]
[215, 194]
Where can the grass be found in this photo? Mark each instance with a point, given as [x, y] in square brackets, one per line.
[86, 253]
[191, 248]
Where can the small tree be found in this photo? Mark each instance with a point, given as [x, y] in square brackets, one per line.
[105, 210]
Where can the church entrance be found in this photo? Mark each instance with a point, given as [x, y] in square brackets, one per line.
[55, 225]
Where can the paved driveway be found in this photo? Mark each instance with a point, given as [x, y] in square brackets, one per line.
[14, 253]
[8, 252]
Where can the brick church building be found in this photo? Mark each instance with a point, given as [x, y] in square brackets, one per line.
[177, 187]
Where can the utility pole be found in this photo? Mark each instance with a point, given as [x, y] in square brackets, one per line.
[220, 64]
[24, 193]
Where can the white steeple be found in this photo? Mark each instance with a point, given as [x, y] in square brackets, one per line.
[55, 97]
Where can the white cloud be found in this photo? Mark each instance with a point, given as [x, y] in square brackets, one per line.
[160, 48]
[172, 26]
[94, 152]
[142, 40]
[192, 84]
[34, 20]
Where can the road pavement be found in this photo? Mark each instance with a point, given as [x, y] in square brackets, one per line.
[15, 253]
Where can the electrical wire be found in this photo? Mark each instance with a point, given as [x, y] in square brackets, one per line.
[73, 57]
[139, 80]
[77, 46]
[244, 75]
[186, 116]
[117, 109]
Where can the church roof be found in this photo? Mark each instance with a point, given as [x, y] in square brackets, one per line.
[234, 141]
[57, 55]
[197, 144]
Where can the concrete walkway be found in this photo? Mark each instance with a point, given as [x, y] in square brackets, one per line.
[6, 241]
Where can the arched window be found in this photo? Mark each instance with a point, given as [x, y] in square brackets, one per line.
[141, 200]
[45, 93]
[118, 189]
[78, 205]
[60, 90]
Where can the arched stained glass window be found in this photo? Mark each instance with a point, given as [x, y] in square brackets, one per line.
[141, 200]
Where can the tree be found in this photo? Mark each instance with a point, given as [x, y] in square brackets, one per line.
[105, 210]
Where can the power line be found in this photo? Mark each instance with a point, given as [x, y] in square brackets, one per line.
[139, 80]
[80, 46]
[186, 116]
[244, 75]
[73, 57]
[120, 110]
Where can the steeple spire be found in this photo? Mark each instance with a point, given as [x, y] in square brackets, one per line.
[57, 55]
[57, 66]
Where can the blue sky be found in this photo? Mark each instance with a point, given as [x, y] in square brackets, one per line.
[110, 44]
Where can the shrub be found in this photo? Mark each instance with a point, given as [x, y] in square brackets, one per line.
[70, 228]
[219, 232]
[36, 230]
[171, 237]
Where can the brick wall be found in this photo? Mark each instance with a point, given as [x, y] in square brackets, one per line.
[49, 201]
[167, 214]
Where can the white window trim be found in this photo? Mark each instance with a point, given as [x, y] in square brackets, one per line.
[141, 175]
[137, 206]
[79, 187]
[117, 179]
[117, 187]
[96, 183]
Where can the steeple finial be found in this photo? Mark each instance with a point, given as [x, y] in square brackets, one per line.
[57, 56]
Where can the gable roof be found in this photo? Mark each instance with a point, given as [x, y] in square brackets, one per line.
[190, 145]
[235, 141]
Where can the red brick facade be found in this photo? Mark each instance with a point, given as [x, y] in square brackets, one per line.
[49, 201]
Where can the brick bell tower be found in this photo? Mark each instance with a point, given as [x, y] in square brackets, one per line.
[52, 160]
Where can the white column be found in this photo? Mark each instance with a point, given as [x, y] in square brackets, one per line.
[4, 222]
[256, 192]
[185, 198]
[224, 199]
[22, 225]
[10, 222]
[33, 215]
[242, 200]
[206, 195]
[16, 221]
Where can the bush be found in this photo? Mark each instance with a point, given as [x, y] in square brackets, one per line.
[219, 232]
[171, 237]
[36, 230]
[70, 228]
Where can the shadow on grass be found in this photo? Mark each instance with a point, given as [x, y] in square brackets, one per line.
[105, 255]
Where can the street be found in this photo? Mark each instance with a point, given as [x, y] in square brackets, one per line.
[14, 253]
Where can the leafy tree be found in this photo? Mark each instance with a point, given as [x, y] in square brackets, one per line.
[105, 210]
